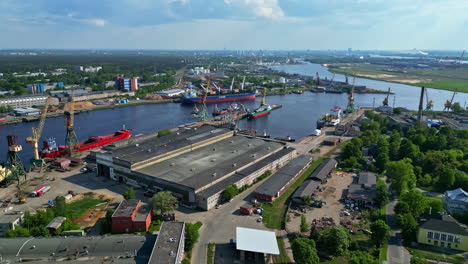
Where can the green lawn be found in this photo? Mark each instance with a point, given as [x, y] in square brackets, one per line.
[383, 254]
[274, 213]
[337, 260]
[283, 257]
[79, 207]
[425, 253]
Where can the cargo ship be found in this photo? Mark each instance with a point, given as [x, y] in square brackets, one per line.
[49, 151]
[330, 119]
[191, 97]
[263, 110]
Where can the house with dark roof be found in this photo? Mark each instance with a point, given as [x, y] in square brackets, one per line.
[323, 171]
[456, 201]
[131, 216]
[364, 189]
[445, 233]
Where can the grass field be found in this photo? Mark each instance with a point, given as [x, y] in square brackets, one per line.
[446, 78]
[210, 253]
[283, 257]
[383, 254]
[436, 255]
[274, 213]
[79, 207]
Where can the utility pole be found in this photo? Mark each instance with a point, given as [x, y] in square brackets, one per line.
[421, 98]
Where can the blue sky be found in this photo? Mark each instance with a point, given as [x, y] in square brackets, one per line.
[234, 24]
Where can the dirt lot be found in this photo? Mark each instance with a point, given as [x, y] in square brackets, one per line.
[331, 194]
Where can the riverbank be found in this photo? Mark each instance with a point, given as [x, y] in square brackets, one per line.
[447, 79]
[15, 120]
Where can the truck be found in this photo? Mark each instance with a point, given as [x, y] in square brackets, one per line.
[40, 191]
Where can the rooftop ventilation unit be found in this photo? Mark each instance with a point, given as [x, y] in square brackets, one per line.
[137, 145]
[214, 174]
[214, 149]
[234, 164]
[192, 169]
[213, 160]
[172, 164]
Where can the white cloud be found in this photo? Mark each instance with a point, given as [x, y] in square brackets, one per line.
[268, 9]
[96, 21]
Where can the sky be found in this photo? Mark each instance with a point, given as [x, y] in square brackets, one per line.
[234, 24]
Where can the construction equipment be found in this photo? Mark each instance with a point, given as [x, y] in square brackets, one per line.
[385, 101]
[71, 140]
[36, 161]
[15, 170]
[318, 203]
[429, 103]
[449, 104]
[350, 106]
[204, 112]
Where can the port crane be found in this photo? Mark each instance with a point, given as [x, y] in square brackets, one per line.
[461, 56]
[449, 104]
[243, 83]
[71, 140]
[429, 103]
[385, 101]
[232, 84]
[263, 102]
[350, 106]
[37, 161]
[204, 112]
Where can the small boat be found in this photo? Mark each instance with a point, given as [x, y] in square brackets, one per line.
[264, 135]
[288, 139]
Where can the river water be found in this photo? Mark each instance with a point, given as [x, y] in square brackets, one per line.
[297, 118]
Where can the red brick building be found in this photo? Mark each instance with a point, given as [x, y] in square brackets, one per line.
[131, 216]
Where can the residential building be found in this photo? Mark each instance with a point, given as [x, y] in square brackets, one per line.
[443, 233]
[169, 246]
[131, 216]
[456, 201]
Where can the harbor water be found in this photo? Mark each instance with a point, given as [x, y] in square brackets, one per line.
[297, 118]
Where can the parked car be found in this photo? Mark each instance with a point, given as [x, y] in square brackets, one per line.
[260, 219]
[346, 213]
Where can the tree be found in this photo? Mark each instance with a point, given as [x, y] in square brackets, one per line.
[409, 227]
[129, 194]
[361, 257]
[304, 251]
[314, 233]
[417, 202]
[164, 132]
[402, 208]
[230, 192]
[379, 231]
[304, 226]
[381, 161]
[191, 235]
[418, 260]
[381, 195]
[163, 202]
[17, 232]
[434, 206]
[401, 175]
[335, 240]
[456, 107]
[39, 231]
[446, 177]
[60, 206]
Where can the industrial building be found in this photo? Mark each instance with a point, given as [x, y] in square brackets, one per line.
[256, 246]
[42, 87]
[10, 221]
[26, 101]
[169, 246]
[26, 111]
[127, 84]
[56, 223]
[363, 190]
[322, 172]
[196, 165]
[274, 186]
[308, 189]
[131, 216]
[118, 249]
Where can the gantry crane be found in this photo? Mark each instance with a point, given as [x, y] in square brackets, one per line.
[14, 168]
[385, 101]
[429, 103]
[449, 104]
[204, 112]
[350, 107]
[37, 161]
[71, 140]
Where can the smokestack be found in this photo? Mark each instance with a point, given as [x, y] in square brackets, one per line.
[421, 99]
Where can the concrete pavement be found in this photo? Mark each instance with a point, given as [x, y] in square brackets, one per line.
[396, 253]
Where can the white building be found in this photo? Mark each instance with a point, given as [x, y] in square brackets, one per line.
[25, 101]
[456, 201]
[282, 80]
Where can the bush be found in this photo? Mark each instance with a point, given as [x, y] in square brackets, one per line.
[191, 235]
[230, 192]
[164, 132]
[304, 226]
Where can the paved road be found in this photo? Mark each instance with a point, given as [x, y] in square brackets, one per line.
[219, 225]
[396, 253]
[432, 194]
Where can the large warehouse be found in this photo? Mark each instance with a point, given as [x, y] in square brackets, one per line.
[195, 164]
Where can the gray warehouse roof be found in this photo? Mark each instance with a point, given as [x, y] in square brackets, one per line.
[278, 180]
[56, 222]
[117, 247]
[220, 186]
[126, 208]
[167, 244]
[367, 178]
[202, 166]
[152, 146]
[321, 173]
[308, 188]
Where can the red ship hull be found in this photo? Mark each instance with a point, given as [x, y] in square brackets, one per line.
[259, 115]
[92, 142]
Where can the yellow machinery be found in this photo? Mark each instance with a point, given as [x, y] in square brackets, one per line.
[36, 161]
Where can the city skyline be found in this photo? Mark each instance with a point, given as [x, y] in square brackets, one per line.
[234, 24]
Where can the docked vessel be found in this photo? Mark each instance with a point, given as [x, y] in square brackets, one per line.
[332, 118]
[263, 110]
[50, 151]
[191, 97]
